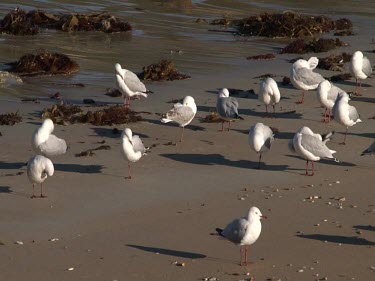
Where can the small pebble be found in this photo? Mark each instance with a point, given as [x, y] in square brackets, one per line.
[18, 242]
[71, 268]
[300, 270]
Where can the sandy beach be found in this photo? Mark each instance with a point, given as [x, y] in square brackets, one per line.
[110, 228]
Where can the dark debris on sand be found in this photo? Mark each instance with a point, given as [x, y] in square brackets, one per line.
[301, 46]
[90, 152]
[165, 70]
[43, 63]
[213, 117]
[63, 113]
[287, 24]
[340, 77]
[19, 22]
[334, 62]
[262, 57]
[10, 118]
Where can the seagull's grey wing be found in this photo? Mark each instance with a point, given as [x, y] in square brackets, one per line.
[181, 114]
[138, 144]
[53, 146]
[227, 107]
[314, 145]
[133, 82]
[366, 66]
[334, 92]
[353, 113]
[235, 231]
[308, 77]
[268, 134]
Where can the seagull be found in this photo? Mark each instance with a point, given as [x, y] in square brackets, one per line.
[260, 139]
[45, 143]
[306, 130]
[370, 150]
[344, 113]
[244, 231]
[311, 147]
[132, 148]
[227, 107]
[303, 77]
[129, 84]
[327, 94]
[269, 93]
[360, 68]
[182, 114]
[38, 169]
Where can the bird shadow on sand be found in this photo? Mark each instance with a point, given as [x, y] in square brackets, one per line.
[237, 93]
[362, 99]
[8, 190]
[81, 169]
[172, 124]
[327, 161]
[11, 166]
[168, 252]
[110, 133]
[277, 115]
[218, 159]
[351, 83]
[278, 135]
[338, 239]
[365, 227]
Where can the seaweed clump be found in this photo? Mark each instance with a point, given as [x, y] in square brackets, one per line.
[300, 46]
[10, 118]
[90, 152]
[19, 22]
[165, 70]
[63, 113]
[213, 117]
[287, 24]
[43, 63]
[334, 62]
[340, 77]
[262, 57]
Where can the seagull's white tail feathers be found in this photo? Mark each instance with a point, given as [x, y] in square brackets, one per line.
[142, 94]
[358, 121]
[332, 151]
[165, 120]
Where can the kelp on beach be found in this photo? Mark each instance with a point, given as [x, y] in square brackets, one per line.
[10, 118]
[287, 24]
[164, 70]
[19, 22]
[43, 63]
[301, 46]
[63, 113]
[334, 62]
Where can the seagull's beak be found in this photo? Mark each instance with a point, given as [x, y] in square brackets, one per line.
[263, 217]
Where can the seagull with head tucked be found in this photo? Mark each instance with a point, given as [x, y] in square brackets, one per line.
[227, 107]
[38, 169]
[269, 93]
[360, 67]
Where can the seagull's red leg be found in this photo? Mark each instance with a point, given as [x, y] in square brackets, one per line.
[313, 168]
[182, 134]
[303, 98]
[222, 127]
[129, 171]
[33, 196]
[241, 250]
[325, 114]
[246, 249]
[229, 126]
[260, 157]
[41, 191]
[346, 132]
[274, 113]
[360, 86]
[329, 115]
[356, 87]
[307, 167]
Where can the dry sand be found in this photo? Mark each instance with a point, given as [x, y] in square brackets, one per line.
[110, 228]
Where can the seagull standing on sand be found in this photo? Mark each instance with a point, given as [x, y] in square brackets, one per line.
[260, 139]
[344, 113]
[129, 84]
[45, 143]
[303, 77]
[269, 93]
[244, 232]
[307, 131]
[327, 94]
[360, 68]
[370, 150]
[132, 148]
[311, 147]
[182, 114]
[227, 107]
[38, 169]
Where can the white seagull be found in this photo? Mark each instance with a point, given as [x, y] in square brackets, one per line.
[344, 113]
[45, 143]
[306, 130]
[244, 231]
[269, 93]
[303, 77]
[370, 149]
[311, 147]
[181, 113]
[360, 68]
[227, 107]
[260, 139]
[131, 147]
[327, 94]
[38, 169]
[129, 84]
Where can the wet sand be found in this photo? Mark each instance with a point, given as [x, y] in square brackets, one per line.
[110, 228]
